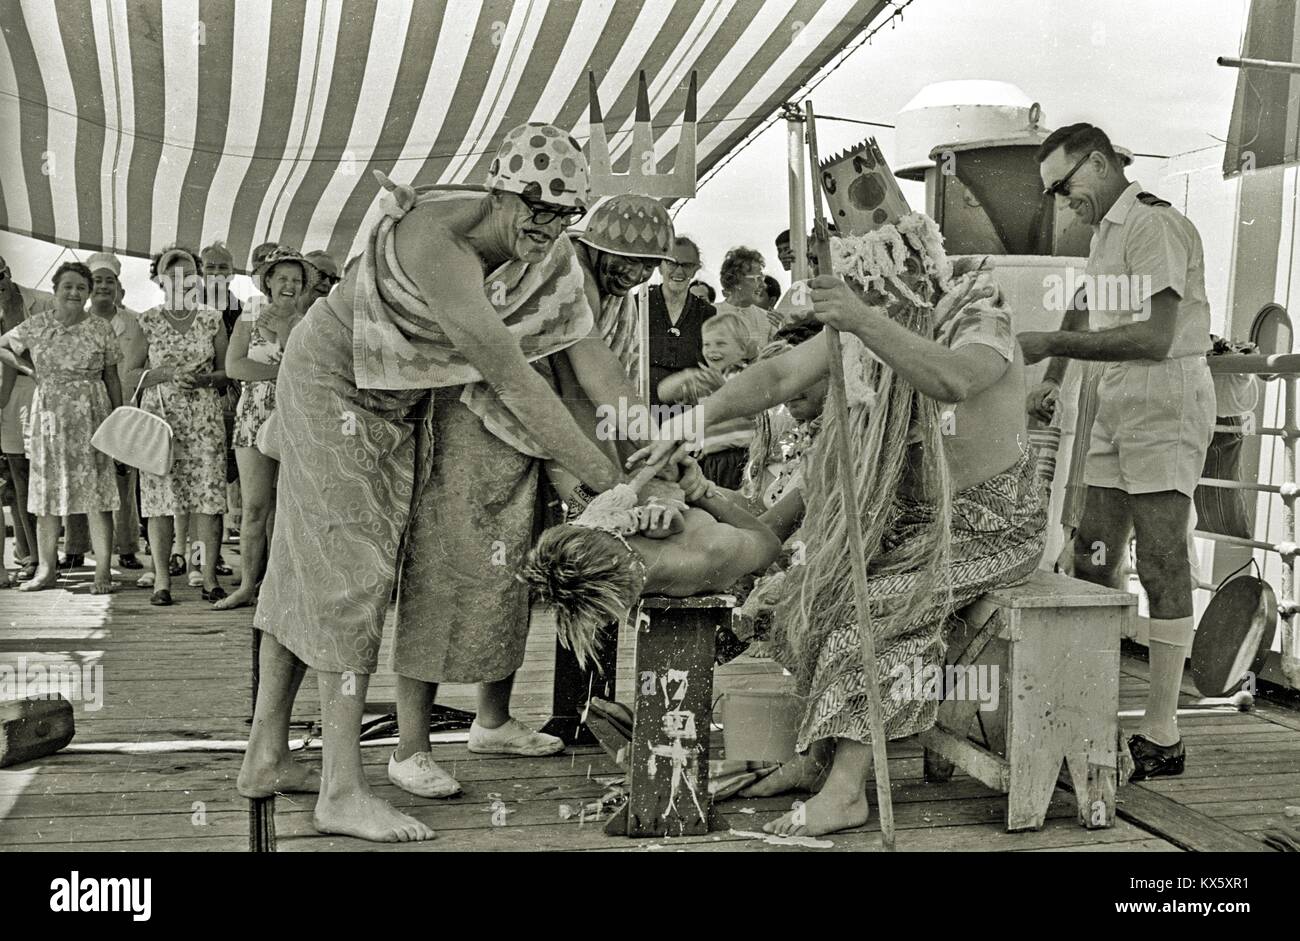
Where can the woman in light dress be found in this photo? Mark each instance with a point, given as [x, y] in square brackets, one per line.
[256, 348]
[75, 355]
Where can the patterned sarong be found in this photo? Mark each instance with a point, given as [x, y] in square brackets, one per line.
[398, 344]
[997, 540]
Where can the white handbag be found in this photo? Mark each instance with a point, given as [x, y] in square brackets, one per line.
[136, 437]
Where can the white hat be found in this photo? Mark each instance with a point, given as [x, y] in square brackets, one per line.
[104, 260]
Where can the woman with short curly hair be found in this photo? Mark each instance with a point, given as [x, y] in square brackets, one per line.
[75, 355]
[743, 291]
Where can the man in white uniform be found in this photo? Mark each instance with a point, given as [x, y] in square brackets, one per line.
[1149, 322]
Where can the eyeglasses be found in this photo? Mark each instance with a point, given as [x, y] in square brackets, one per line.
[545, 213]
[1062, 186]
[683, 265]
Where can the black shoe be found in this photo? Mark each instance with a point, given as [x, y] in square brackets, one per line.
[221, 568]
[1154, 761]
[161, 598]
[215, 594]
[127, 560]
[72, 560]
[176, 565]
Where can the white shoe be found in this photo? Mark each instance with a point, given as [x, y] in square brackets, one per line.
[145, 580]
[421, 776]
[196, 579]
[513, 738]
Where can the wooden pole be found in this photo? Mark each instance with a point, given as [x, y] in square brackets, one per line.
[857, 554]
[798, 188]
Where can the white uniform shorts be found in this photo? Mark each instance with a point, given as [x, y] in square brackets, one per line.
[1154, 424]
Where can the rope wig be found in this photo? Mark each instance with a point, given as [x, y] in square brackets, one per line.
[906, 263]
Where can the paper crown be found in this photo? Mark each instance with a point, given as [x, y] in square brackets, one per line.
[642, 177]
[862, 191]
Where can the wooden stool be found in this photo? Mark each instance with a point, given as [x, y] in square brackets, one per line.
[667, 758]
[1055, 642]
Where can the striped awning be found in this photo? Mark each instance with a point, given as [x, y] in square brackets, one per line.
[132, 124]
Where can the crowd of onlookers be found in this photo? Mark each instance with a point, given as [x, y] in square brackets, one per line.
[206, 362]
[202, 359]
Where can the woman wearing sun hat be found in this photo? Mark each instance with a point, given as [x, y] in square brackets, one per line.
[256, 349]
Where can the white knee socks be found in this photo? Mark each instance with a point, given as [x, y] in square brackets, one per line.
[1169, 640]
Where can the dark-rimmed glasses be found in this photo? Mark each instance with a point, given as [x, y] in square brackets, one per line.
[545, 213]
[1062, 186]
[689, 266]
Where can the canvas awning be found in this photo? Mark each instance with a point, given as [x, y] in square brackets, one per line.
[132, 124]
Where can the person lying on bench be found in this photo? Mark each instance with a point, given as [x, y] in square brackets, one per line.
[681, 539]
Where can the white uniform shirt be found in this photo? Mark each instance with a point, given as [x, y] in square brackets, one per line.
[1138, 251]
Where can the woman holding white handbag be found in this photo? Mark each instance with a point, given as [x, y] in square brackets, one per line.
[182, 347]
[75, 355]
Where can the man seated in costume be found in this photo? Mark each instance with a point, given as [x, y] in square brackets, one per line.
[464, 293]
[677, 539]
[948, 502]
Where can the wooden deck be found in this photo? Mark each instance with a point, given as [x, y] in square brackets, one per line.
[181, 676]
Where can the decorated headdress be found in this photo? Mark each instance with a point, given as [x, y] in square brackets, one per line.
[642, 177]
[630, 225]
[541, 162]
[861, 189]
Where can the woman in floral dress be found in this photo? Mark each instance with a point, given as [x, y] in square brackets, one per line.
[256, 347]
[182, 344]
[76, 356]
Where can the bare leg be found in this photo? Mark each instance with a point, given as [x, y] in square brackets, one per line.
[256, 474]
[841, 804]
[205, 526]
[160, 540]
[346, 804]
[494, 702]
[1160, 520]
[414, 704]
[804, 772]
[101, 541]
[47, 548]
[268, 766]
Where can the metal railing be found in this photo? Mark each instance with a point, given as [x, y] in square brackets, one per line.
[1286, 368]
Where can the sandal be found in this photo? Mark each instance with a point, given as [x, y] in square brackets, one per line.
[176, 565]
[161, 598]
[215, 594]
[27, 572]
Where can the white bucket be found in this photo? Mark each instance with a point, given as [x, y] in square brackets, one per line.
[760, 725]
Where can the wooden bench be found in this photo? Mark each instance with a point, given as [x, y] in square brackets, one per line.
[666, 756]
[1055, 641]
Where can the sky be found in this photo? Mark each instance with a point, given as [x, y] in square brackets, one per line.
[1143, 70]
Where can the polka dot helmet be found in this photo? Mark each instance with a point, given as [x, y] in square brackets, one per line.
[543, 163]
[630, 225]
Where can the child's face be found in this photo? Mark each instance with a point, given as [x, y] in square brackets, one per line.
[721, 349]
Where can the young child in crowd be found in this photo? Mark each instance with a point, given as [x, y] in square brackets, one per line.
[728, 348]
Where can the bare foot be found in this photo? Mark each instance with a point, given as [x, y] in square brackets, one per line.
[45, 577]
[759, 650]
[828, 812]
[284, 777]
[802, 773]
[103, 581]
[238, 599]
[369, 817]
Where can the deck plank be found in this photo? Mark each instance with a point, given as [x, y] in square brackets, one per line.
[182, 674]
